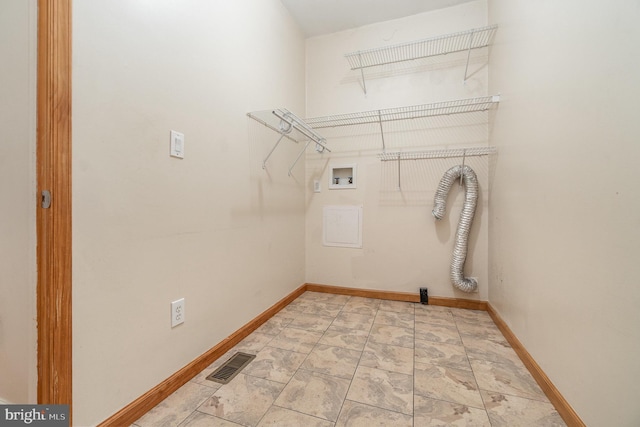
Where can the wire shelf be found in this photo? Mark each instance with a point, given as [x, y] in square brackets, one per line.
[441, 45]
[459, 106]
[437, 154]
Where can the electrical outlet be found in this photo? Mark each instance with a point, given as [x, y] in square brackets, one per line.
[177, 312]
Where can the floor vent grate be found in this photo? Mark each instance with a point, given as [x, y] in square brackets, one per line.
[231, 368]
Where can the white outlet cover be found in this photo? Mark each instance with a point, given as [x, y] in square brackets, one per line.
[177, 145]
[177, 312]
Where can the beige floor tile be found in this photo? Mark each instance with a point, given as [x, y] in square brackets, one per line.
[177, 407]
[397, 306]
[324, 297]
[338, 336]
[244, 400]
[437, 317]
[362, 305]
[311, 322]
[450, 384]
[314, 394]
[404, 320]
[324, 309]
[431, 412]
[497, 351]
[453, 356]
[198, 419]
[356, 414]
[383, 389]
[507, 411]
[274, 364]
[438, 333]
[506, 378]
[350, 320]
[472, 315]
[276, 324]
[296, 340]
[426, 308]
[335, 361]
[281, 417]
[388, 357]
[480, 330]
[392, 335]
[253, 343]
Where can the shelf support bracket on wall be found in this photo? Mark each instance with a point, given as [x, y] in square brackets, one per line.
[298, 158]
[384, 149]
[468, 57]
[364, 83]
[399, 186]
[283, 131]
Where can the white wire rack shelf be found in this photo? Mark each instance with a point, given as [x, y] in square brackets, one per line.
[437, 154]
[468, 40]
[458, 106]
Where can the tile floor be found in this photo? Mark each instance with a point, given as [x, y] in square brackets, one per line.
[333, 360]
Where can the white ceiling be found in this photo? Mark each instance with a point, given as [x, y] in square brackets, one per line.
[317, 17]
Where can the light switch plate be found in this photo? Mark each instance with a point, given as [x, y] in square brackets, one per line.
[177, 145]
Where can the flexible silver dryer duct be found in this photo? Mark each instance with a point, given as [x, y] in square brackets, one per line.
[470, 181]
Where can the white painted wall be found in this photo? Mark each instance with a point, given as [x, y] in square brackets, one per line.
[18, 335]
[564, 221]
[403, 247]
[148, 229]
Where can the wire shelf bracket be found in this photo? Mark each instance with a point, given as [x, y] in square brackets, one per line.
[468, 40]
[288, 121]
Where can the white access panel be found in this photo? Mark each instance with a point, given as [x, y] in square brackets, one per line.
[342, 226]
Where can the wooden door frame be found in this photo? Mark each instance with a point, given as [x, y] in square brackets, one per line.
[53, 224]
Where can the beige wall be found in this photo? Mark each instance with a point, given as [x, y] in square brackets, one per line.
[18, 371]
[403, 247]
[148, 229]
[564, 221]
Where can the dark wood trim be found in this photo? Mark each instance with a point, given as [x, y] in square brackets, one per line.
[136, 409]
[53, 225]
[555, 397]
[468, 304]
[366, 293]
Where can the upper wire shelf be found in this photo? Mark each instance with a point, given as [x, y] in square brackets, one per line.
[458, 106]
[468, 40]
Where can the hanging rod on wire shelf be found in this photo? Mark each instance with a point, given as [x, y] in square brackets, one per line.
[288, 121]
[440, 45]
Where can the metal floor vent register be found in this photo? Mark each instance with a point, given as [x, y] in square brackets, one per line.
[231, 368]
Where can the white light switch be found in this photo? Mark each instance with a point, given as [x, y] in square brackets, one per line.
[177, 145]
